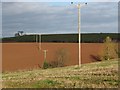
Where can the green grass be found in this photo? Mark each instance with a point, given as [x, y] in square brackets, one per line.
[94, 75]
[45, 83]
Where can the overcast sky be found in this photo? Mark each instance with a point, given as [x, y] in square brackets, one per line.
[47, 17]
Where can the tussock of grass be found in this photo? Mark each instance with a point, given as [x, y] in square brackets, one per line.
[94, 75]
[45, 83]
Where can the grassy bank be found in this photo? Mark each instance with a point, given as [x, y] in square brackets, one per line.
[94, 75]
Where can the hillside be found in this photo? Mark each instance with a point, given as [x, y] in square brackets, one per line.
[94, 75]
[68, 38]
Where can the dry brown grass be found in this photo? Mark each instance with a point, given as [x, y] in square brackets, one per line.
[95, 75]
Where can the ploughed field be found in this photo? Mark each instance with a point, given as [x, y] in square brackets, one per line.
[21, 56]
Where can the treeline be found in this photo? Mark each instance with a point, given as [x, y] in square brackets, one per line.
[64, 38]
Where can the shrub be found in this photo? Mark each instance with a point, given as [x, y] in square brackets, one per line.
[109, 50]
[46, 65]
[54, 64]
[60, 57]
[59, 61]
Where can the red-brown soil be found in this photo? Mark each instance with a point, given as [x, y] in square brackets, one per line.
[0, 57]
[19, 56]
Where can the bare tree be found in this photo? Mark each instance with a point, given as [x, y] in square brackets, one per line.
[19, 33]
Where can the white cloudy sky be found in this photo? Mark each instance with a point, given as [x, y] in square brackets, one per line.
[38, 17]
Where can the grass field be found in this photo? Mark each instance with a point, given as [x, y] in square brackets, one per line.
[94, 75]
